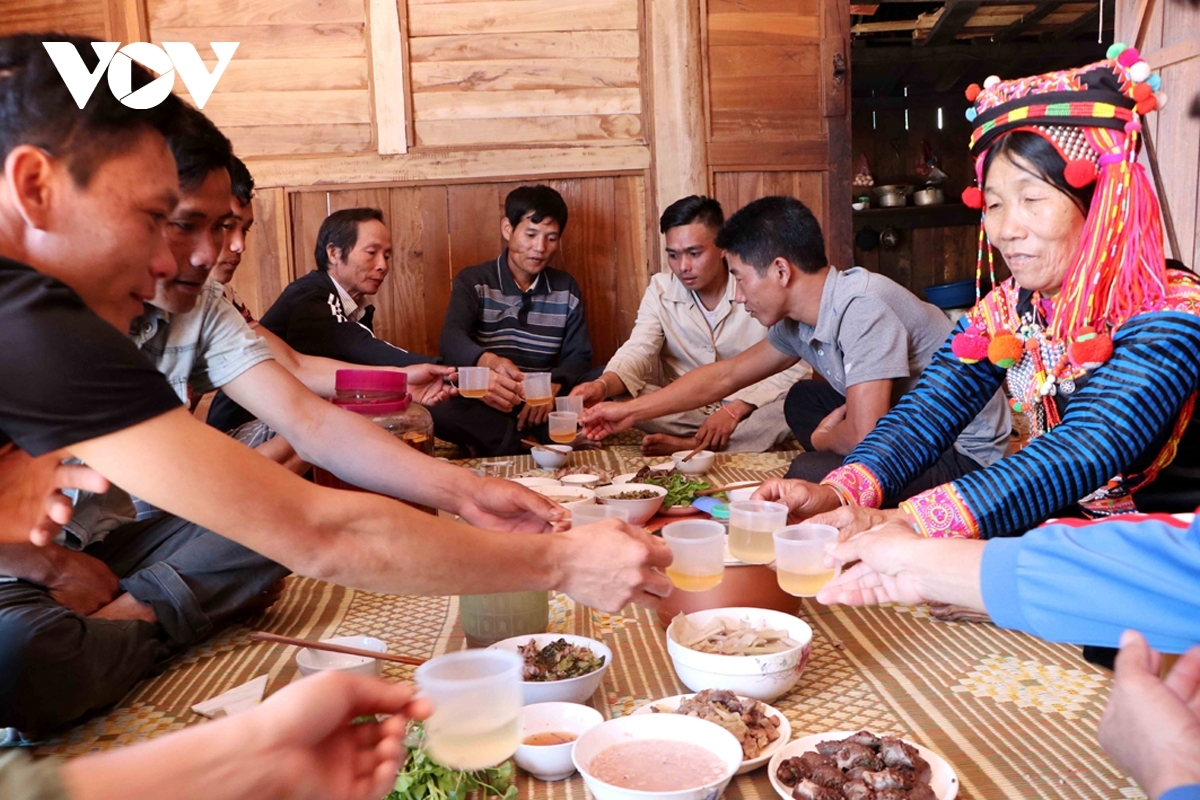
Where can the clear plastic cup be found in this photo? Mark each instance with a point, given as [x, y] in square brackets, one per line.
[563, 426]
[751, 523]
[594, 512]
[476, 697]
[568, 403]
[473, 381]
[698, 547]
[537, 388]
[800, 558]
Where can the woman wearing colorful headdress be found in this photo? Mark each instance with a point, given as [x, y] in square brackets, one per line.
[1098, 342]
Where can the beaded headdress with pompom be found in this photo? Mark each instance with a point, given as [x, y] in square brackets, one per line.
[1089, 114]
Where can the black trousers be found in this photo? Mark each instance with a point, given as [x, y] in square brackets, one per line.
[57, 666]
[808, 402]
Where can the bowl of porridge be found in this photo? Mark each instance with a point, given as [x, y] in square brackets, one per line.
[659, 756]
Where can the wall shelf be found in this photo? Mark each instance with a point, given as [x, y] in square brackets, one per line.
[944, 215]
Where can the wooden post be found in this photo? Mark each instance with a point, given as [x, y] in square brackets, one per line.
[389, 82]
[680, 149]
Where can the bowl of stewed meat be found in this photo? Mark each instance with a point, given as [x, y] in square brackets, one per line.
[641, 500]
[659, 756]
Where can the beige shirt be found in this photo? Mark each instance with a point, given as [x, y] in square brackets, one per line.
[672, 335]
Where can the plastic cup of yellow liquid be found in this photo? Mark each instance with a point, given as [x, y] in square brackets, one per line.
[751, 524]
[594, 512]
[563, 426]
[473, 381]
[568, 403]
[476, 697]
[537, 388]
[800, 558]
[698, 548]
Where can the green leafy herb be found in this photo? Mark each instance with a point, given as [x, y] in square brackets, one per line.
[681, 489]
[421, 778]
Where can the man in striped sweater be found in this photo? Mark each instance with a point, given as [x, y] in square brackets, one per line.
[515, 314]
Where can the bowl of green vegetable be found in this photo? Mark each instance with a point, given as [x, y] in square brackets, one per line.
[641, 500]
[559, 667]
[681, 489]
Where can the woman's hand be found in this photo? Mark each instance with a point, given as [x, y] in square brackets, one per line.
[853, 520]
[802, 498]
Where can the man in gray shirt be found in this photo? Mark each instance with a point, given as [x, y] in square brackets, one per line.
[868, 337]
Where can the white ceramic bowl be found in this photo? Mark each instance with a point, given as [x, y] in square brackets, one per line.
[943, 780]
[640, 511]
[567, 496]
[741, 495]
[311, 662]
[553, 762]
[761, 677]
[531, 482]
[571, 690]
[672, 727]
[584, 479]
[748, 764]
[697, 465]
[551, 456]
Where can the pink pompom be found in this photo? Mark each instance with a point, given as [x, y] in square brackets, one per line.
[970, 346]
[1129, 57]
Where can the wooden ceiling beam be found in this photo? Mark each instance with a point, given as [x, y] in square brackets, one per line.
[1087, 21]
[1028, 21]
[954, 17]
[891, 57]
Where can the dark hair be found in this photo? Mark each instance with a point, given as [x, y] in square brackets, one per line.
[36, 107]
[775, 227]
[693, 208]
[340, 229]
[241, 181]
[540, 200]
[199, 148]
[1045, 160]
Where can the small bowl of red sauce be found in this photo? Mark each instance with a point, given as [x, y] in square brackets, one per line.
[548, 734]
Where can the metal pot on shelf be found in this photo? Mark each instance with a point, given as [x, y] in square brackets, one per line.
[930, 196]
[892, 195]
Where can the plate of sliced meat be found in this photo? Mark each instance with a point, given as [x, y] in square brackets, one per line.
[860, 765]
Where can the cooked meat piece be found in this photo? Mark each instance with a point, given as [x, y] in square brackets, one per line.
[896, 753]
[830, 747]
[807, 790]
[813, 760]
[922, 792]
[856, 773]
[892, 794]
[857, 790]
[793, 770]
[829, 776]
[886, 779]
[922, 772]
[865, 738]
[856, 755]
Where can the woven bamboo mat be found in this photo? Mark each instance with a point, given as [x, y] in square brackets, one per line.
[1015, 716]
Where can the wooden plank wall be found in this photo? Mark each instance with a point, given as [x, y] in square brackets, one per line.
[925, 256]
[525, 71]
[1171, 44]
[298, 83]
[80, 17]
[438, 230]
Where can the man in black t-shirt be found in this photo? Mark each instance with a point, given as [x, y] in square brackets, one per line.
[84, 201]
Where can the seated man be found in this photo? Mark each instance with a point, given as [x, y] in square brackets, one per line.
[866, 336]
[515, 313]
[237, 228]
[688, 318]
[326, 313]
[87, 206]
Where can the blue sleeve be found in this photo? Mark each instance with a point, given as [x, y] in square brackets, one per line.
[1087, 583]
[911, 437]
[1125, 407]
[1190, 792]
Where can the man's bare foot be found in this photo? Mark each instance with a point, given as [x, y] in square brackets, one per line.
[126, 607]
[662, 444]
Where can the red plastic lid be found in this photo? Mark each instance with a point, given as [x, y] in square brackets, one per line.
[376, 409]
[378, 380]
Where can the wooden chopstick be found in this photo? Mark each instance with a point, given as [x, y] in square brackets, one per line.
[263, 636]
[531, 443]
[688, 457]
[740, 485]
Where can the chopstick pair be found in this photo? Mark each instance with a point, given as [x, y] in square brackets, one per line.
[740, 485]
[263, 636]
